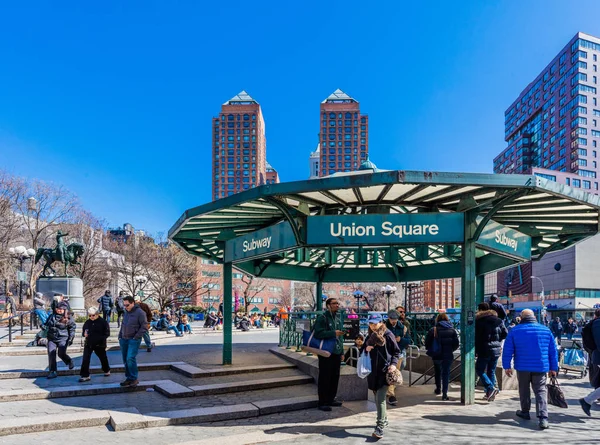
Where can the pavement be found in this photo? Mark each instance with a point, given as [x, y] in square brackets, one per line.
[420, 417]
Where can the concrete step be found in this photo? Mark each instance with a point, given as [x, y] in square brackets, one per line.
[250, 385]
[194, 372]
[52, 422]
[38, 350]
[118, 368]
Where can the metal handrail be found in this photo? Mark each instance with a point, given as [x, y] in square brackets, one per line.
[10, 324]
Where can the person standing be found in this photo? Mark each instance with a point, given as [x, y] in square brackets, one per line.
[402, 337]
[60, 299]
[489, 333]
[120, 308]
[39, 307]
[571, 329]
[61, 332]
[330, 325]
[96, 331]
[446, 337]
[148, 312]
[594, 348]
[534, 350]
[557, 329]
[135, 323]
[498, 307]
[106, 305]
[384, 352]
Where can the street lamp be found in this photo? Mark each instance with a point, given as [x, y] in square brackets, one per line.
[21, 254]
[541, 295]
[140, 281]
[388, 290]
[358, 294]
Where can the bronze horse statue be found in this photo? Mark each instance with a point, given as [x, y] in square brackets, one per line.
[72, 254]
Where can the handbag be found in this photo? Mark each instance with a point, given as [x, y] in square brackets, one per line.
[555, 395]
[323, 347]
[436, 347]
[363, 367]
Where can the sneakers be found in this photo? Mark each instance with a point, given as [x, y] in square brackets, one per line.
[393, 401]
[133, 383]
[490, 396]
[52, 375]
[71, 364]
[325, 408]
[523, 415]
[445, 397]
[544, 424]
[585, 407]
[149, 348]
[125, 383]
[378, 433]
[84, 379]
[437, 391]
[107, 374]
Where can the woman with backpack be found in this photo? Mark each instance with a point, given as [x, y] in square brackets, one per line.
[384, 352]
[441, 342]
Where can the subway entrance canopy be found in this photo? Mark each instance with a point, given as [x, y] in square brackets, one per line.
[389, 226]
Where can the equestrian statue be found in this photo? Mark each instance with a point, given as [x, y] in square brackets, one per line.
[68, 255]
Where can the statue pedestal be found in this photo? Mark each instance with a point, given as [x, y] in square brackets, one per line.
[70, 287]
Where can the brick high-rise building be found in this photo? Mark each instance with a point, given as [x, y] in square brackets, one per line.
[239, 147]
[344, 134]
[438, 294]
[554, 123]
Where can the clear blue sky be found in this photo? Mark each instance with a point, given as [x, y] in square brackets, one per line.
[121, 94]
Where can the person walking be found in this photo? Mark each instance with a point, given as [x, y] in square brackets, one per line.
[148, 312]
[534, 351]
[60, 335]
[135, 323]
[60, 299]
[330, 325]
[594, 348]
[96, 331]
[441, 342]
[557, 329]
[106, 305]
[119, 308]
[489, 333]
[384, 352]
[498, 307]
[570, 329]
[402, 337]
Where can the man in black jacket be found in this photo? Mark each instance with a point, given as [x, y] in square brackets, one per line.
[95, 330]
[489, 333]
[61, 332]
[106, 305]
[135, 324]
[497, 306]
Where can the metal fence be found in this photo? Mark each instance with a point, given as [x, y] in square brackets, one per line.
[23, 319]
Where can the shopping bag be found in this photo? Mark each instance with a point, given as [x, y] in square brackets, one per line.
[555, 394]
[323, 347]
[574, 357]
[363, 367]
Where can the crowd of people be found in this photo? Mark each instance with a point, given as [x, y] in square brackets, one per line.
[527, 349]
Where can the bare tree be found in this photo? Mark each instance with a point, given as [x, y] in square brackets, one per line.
[129, 265]
[374, 298]
[10, 188]
[252, 286]
[305, 296]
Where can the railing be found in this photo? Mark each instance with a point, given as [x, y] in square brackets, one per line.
[12, 320]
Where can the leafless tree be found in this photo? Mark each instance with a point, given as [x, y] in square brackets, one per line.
[130, 263]
[251, 287]
[10, 187]
[305, 296]
[374, 298]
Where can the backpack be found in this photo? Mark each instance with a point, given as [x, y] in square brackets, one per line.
[587, 336]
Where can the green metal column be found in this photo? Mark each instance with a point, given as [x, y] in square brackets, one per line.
[319, 295]
[227, 302]
[467, 316]
[480, 288]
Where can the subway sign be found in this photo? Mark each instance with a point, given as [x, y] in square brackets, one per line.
[262, 242]
[408, 228]
[505, 241]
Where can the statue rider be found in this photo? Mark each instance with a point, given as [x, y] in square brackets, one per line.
[61, 250]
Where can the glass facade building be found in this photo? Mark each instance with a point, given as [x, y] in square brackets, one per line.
[554, 123]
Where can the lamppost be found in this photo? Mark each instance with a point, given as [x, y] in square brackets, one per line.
[358, 294]
[409, 287]
[21, 254]
[141, 281]
[541, 295]
[388, 290]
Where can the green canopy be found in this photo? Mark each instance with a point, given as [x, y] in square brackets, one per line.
[273, 311]
[256, 310]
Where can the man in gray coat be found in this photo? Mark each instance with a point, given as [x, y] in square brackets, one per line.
[132, 330]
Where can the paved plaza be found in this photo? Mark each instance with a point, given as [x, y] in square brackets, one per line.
[420, 416]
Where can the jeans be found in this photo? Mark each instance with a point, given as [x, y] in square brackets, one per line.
[329, 377]
[569, 336]
[106, 314]
[129, 350]
[382, 421]
[174, 328]
[100, 351]
[186, 328]
[485, 367]
[442, 374]
[53, 348]
[147, 340]
[119, 318]
[537, 380]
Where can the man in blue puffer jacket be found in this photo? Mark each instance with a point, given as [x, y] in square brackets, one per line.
[534, 350]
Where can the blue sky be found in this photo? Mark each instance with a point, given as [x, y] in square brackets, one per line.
[121, 94]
